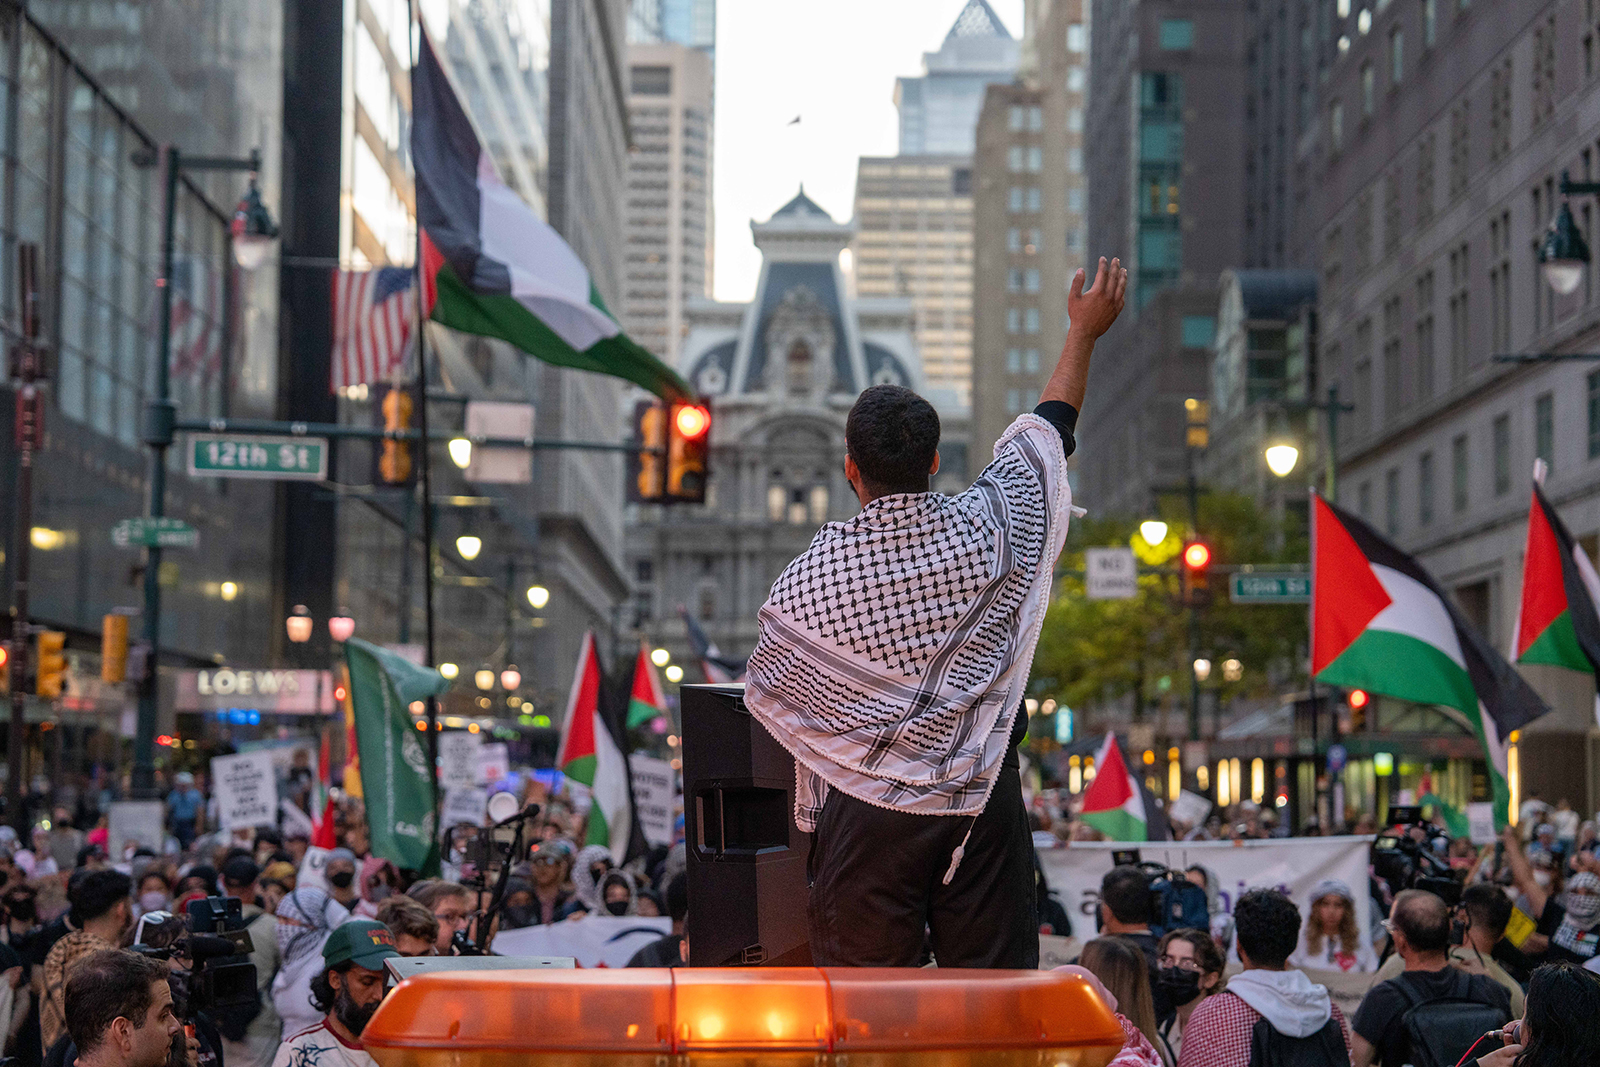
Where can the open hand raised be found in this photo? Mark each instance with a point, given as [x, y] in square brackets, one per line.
[1093, 312]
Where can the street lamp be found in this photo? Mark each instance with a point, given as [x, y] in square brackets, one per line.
[340, 627]
[661, 657]
[253, 229]
[460, 452]
[1154, 531]
[1202, 668]
[298, 625]
[469, 546]
[228, 590]
[1232, 670]
[1281, 459]
[484, 679]
[448, 671]
[538, 596]
[674, 674]
[1563, 254]
[510, 678]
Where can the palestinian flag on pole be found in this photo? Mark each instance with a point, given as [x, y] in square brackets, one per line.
[1557, 624]
[1114, 803]
[591, 755]
[492, 267]
[648, 700]
[1380, 622]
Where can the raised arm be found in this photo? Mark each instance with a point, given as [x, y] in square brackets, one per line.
[1091, 313]
[1522, 872]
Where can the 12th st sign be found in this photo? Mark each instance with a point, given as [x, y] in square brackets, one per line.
[233, 455]
[1263, 587]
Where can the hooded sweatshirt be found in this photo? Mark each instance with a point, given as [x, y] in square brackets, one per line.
[1291, 1002]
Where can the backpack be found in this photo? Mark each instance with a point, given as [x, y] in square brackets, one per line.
[1441, 1031]
[1271, 1048]
[1176, 903]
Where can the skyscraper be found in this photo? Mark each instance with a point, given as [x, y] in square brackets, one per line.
[668, 211]
[939, 110]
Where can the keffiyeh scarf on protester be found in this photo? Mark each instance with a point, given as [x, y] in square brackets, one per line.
[893, 652]
[1576, 932]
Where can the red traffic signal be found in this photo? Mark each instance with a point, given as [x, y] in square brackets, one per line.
[1196, 555]
[692, 421]
[339, 693]
[5, 657]
[1358, 699]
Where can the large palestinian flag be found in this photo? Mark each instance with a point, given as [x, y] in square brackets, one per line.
[1380, 622]
[491, 266]
[590, 754]
[1557, 624]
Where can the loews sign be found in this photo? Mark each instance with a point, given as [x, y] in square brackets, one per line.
[272, 692]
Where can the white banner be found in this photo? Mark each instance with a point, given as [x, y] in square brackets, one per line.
[1292, 864]
[459, 758]
[594, 940]
[655, 796]
[138, 823]
[246, 790]
[464, 806]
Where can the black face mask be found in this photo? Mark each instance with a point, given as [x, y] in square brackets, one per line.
[1179, 985]
[617, 907]
[342, 880]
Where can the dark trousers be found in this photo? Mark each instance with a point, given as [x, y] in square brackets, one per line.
[878, 885]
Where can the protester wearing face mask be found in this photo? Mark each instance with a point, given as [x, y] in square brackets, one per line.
[1191, 969]
[1571, 931]
[617, 894]
[306, 918]
[588, 871]
[341, 875]
[154, 894]
[1331, 940]
[348, 990]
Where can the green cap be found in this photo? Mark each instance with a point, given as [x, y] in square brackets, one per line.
[362, 942]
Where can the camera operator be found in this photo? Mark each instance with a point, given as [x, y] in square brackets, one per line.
[102, 912]
[119, 1011]
[161, 936]
[352, 984]
[251, 1033]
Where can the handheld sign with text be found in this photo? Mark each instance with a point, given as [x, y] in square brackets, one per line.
[246, 790]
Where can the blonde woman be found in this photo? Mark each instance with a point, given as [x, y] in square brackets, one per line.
[1331, 940]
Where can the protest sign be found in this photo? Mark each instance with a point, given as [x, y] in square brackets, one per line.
[1190, 809]
[246, 790]
[465, 805]
[655, 796]
[1293, 864]
[1480, 823]
[594, 940]
[460, 753]
[138, 823]
[494, 762]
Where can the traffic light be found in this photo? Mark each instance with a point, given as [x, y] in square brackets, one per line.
[51, 663]
[1197, 423]
[1196, 574]
[394, 457]
[646, 466]
[5, 668]
[114, 648]
[1358, 699]
[688, 448]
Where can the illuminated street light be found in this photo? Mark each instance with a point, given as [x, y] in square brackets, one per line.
[228, 590]
[661, 657]
[1281, 459]
[1232, 670]
[1154, 531]
[298, 625]
[448, 671]
[340, 627]
[484, 679]
[460, 452]
[674, 674]
[1202, 668]
[469, 546]
[510, 678]
[1563, 254]
[538, 596]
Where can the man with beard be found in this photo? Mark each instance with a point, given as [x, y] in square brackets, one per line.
[349, 990]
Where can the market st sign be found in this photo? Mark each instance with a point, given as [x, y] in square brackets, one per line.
[272, 692]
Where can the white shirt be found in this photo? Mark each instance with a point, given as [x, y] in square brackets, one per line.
[321, 1047]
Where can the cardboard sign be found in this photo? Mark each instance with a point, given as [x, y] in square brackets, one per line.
[655, 795]
[246, 790]
[459, 754]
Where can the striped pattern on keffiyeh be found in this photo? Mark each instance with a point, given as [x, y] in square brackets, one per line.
[893, 652]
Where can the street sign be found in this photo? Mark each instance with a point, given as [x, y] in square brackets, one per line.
[500, 419]
[1110, 574]
[1267, 587]
[154, 533]
[236, 455]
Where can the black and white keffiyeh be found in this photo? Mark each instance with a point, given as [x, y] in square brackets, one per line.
[893, 652]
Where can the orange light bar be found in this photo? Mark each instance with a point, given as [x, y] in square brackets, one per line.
[595, 1018]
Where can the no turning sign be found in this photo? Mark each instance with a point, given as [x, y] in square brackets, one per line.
[1110, 574]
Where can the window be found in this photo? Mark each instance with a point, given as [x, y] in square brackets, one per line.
[1030, 360]
[1544, 430]
[1075, 200]
[1391, 213]
[1364, 499]
[1199, 331]
[1014, 360]
[1014, 280]
[1425, 369]
[1014, 158]
[644, 570]
[1016, 198]
[1075, 37]
[1030, 320]
[1075, 79]
[1013, 400]
[1035, 118]
[1397, 51]
[1035, 158]
[1500, 280]
[798, 511]
[1393, 388]
[776, 499]
[650, 81]
[1502, 454]
[1030, 280]
[1368, 90]
[1391, 502]
[1500, 110]
[1033, 198]
[1458, 473]
[1459, 145]
[1544, 71]
[1460, 317]
[1425, 489]
[1336, 124]
[1594, 415]
[1018, 118]
[708, 602]
[1176, 34]
[819, 504]
[1075, 160]
[1075, 120]
[1425, 154]
[1430, 23]
[1013, 240]
[1013, 320]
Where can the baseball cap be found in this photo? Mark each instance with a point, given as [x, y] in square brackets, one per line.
[362, 942]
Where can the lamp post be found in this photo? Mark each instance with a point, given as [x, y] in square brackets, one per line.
[1564, 254]
[252, 231]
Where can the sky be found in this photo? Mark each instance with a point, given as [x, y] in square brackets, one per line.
[831, 62]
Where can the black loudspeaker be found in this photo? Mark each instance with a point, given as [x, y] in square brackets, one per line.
[747, 860]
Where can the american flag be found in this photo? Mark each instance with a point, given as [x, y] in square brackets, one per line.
[374, 314]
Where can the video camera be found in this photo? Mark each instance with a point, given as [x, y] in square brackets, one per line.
[490, 850]
[217, 947]
[1406, 863]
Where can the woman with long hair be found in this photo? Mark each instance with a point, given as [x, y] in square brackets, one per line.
[1191, 970]
[1557, 1028]
[1331, 940]
[1120, 966]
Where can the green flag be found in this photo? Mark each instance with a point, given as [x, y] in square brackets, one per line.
[394, 764]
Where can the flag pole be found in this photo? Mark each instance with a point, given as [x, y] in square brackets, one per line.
[415, 33]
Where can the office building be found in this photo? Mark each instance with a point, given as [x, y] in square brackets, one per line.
[1028, 219]
[668, 208]
[1167, 108]
[1446, 131]
[939, 110]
